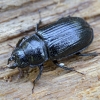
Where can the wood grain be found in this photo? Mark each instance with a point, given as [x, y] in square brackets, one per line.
[18, 18]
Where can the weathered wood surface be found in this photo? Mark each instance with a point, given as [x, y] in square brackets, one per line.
[17, 19]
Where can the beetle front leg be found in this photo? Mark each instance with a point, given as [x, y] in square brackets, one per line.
[61, 65]
[38, 77]
[11, 46]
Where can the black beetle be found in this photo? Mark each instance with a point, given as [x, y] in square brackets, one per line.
[66, 37]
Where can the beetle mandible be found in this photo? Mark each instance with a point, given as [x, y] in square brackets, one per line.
[63, 38]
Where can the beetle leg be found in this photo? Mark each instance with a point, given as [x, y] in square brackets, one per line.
[21, 41]
[38, 77]
[21, 73]
[61, 65]
[37, 26]
[87, 54]
[11, 46]
[39, 23]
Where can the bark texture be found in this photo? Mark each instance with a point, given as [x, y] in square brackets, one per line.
[18, 18]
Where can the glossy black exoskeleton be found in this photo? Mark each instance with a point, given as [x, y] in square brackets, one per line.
[66, 37]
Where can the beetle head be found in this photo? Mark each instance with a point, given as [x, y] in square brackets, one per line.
[16, 59]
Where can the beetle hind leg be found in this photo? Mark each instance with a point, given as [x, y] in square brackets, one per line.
[38, 77]
[87, 54]
[61, 65]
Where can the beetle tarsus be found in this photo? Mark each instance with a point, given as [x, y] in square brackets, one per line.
[39, 23]
[61, 65]
[33, 86]
[11, 46]
[88, 54]
[38, 77]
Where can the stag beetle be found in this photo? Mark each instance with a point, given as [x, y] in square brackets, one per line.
[63, 38]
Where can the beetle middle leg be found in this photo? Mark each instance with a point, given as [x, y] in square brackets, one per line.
[61, 65]
[87, 54]
[38, 77]
[39, 23]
